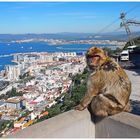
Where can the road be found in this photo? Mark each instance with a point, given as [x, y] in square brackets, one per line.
[134, 75]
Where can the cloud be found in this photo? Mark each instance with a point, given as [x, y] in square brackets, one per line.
[44, 4]
[83, 15]
[88, 17]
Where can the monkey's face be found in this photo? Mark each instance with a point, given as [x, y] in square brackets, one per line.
[95, 57]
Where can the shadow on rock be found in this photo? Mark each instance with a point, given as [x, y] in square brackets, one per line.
[135, 110]
[95, 119]
[135, 107]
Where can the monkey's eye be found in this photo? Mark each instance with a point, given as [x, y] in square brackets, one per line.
[95, 56]
[87, 55]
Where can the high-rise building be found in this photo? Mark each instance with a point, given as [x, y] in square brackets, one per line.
[46, 58]
[12, 72]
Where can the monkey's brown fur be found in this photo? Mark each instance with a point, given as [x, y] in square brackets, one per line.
[108, 86]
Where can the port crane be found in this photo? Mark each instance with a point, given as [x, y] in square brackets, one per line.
[126, 23]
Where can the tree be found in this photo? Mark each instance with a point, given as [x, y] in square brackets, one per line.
[111, 52]
[118, 50]
[54, 110]
[136, 40]
[43, 71]
[78, 91]
[11, 93]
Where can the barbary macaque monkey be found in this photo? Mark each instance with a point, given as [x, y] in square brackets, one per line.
[108, 86]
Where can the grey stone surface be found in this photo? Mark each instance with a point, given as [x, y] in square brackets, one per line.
[75, 124]
[134, 76]
[122, 125]
[72, 124]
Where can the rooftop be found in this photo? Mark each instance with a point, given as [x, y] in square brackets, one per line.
[13, 101]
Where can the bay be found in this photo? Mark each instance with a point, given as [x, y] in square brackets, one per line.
[11, 48]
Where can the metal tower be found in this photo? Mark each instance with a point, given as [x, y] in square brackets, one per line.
[125, 24]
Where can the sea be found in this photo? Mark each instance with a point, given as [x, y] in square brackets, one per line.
[11, 48]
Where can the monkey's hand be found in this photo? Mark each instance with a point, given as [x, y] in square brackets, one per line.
[79, 107]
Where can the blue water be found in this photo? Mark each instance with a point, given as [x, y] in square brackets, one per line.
[5, 61]
[6, 49]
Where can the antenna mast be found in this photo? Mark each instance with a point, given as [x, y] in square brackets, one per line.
[125, 24]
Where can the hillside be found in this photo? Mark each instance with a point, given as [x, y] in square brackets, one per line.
[136, 40]
[120, 36]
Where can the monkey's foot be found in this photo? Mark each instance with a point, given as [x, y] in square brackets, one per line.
[79, 107]
[128, 108]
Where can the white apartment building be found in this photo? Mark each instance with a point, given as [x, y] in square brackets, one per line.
[13, 72]
[46, 58]
[14, 103]
[65, 54]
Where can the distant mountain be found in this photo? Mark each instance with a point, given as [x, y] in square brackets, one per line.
[68, 36]
[121, 36]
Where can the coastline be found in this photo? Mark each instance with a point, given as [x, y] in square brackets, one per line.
[9, 50]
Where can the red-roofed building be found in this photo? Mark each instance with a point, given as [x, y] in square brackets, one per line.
[31, 105]
[45, 113]
[34, 103]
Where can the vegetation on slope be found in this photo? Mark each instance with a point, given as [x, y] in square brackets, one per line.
[70, 99]
[11, 93]
[112, 52]
[136, 40]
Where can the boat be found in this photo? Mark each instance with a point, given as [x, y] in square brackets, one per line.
[59, 47]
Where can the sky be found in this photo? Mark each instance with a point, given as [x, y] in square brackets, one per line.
[56, 17]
